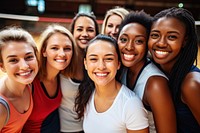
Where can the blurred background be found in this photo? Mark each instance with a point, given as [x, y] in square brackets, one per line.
[35, 15]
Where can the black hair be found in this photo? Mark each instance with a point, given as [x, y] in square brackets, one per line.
[188, 54]
[87, 85]
[139, 17]
[89, 15]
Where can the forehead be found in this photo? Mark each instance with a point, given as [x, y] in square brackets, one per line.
[133, 28]
[83, 20]
[101, 46]
[114, 18]
[169, 23]
[16, 48]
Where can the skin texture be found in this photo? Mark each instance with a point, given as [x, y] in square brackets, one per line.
[132, 45]
[102, 64]
[112, 25]
[168, 35]
[84, 31]
[21, 66]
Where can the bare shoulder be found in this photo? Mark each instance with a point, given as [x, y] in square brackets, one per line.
[157, 89]
[190, 87]
[3, 115]
[157, 84]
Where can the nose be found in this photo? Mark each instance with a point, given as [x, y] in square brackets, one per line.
[101, 65]
[114, 30]
[23, 64]
[162, 42]
[84, 33]
[129, 46]
[61, 52]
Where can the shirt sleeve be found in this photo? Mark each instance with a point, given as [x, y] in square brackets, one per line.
[135, 115]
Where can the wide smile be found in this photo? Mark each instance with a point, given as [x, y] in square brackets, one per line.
[128, 57]
[60, 60]
[161, 54]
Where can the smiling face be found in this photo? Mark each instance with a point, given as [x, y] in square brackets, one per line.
[166, 40]
[132, 44]
[112, 25]
[101, 62]
[58, 51]
[84, 31]
[19, 62]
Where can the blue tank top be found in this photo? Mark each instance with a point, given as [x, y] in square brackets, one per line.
[186, 122]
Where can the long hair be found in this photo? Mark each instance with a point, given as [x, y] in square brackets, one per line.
[87, 86]
[188, 54]
[46, 34]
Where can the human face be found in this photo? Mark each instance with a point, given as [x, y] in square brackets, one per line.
[166, 40]
[19, 62]
[132, 44]
[101, 62]
[112, 25]
[58, 52]
[84, 31]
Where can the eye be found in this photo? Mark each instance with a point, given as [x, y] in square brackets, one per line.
[54, 48]
[172, 37]
[109, 59]
[123, 40]
[154, 35]
[110, 25]
[29, 57]
[79, 29]
[12, 60]
[139, 41]
[90, 30]
[93, 59]
[67, 49]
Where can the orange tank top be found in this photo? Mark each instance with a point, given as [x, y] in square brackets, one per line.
[17, 120]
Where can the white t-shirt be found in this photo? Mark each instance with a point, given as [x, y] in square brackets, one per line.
[126, 112]
[68, 121]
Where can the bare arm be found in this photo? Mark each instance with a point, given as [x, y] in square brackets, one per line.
[157, 95]
[146, 130]
[190, 93]
[3, 115]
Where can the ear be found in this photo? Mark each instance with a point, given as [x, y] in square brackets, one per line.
[85, 64]
[44, 54]
[2, 67]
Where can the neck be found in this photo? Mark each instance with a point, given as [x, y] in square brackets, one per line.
[14, 89]
[108, 90]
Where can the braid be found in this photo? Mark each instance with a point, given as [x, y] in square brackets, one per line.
[188, 53]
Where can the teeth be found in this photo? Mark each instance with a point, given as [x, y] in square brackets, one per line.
[24, 74]
[60, 61]
[128, 57]
[84, 41]
[161, 52]
[101, 74]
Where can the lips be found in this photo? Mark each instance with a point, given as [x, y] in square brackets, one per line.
[60, 60]
[101, 74]
[161, 54]
[24, 73]
[128, 57]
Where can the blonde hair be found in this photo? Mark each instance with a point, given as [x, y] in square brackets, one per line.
[16, 34]
[120, 11]
[48, 32]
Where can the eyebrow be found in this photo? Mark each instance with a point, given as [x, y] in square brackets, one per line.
[105, 55]
[167, 32]
[11, 56]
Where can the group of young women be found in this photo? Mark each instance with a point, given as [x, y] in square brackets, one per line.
[137, 76]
